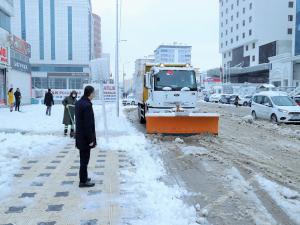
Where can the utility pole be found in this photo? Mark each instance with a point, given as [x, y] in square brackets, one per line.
[117, 58]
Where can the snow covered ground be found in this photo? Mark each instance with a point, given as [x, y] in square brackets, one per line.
[24, 136]
[32, 118]
[147, 199]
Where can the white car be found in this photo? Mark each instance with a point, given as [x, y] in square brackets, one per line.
[130, 100]
[215, 98]
[275, 106]
[245, 101]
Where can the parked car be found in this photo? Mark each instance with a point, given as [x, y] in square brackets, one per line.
[215, 98]
[130, 100]
[225, 99]
[245, 101]
[232, 99]
[275, 106]
[297, 99]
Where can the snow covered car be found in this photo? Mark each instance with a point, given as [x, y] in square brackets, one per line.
[215, 98]
[245, 101]
[225, 99]
[130, 100]
[275, 106]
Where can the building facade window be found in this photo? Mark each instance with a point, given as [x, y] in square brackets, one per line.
[291, 4]
[52, 22]
[253, 58]
[5, 21]
[41, 29]
[70, 33]
[253, 45]
[250, 32]
[23, 19]
[244, 35]
[57, 83]
[290, 31]
[250, 6]
[290, 18]
[250, 19]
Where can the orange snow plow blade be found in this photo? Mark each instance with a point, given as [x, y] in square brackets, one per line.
[194, 123]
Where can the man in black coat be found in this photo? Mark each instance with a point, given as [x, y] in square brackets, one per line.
[85, 133]
[18, 97]
[48, 101]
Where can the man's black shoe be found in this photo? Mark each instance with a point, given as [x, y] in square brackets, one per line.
[86, 185]
[89, 180]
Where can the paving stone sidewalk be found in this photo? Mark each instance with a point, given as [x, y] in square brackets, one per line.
[45, 190]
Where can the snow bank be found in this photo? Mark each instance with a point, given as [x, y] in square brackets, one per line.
[32, 118]
[285, 198]
[15, 147]
[147, 199]
[241, 186]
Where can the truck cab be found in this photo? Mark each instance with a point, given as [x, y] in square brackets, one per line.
[167, 88]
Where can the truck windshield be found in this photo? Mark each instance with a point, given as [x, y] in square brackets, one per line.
[283, 101]
[175, 79]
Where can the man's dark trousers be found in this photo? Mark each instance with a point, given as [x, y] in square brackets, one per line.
[84, 162]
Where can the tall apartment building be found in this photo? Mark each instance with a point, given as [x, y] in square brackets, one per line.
[251, 32]
[60, 33]
[173, 54]
[97, 36]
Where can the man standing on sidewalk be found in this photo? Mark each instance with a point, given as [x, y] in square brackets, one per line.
[85, 134]
[49, 102]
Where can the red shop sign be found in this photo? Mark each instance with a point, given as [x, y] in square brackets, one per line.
[3, 55]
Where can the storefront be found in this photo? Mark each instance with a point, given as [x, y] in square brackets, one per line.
[19, 75]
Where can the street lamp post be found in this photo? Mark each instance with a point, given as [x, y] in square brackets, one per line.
[117, 58]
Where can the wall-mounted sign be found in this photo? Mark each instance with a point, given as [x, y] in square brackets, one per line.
[20, 65]
[3, 55]
[19, 45]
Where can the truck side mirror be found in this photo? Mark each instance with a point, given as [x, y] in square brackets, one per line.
[148, 81]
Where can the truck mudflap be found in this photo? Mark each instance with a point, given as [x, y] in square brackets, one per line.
[182, 123]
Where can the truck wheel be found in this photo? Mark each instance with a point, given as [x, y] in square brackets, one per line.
[141, 114]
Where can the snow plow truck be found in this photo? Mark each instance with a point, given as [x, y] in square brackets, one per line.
[167, 101]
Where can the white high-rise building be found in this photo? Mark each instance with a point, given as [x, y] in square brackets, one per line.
[173, 54]
[252, 31]
[60, 33]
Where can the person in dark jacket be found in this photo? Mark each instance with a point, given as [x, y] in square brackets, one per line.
[18, 97]
[236, 101]
[85, 133]
[69, 112]
[49, 102]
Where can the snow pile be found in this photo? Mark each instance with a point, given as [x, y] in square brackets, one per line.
[248, 119]
[179, 141]
[193, 150]
[147, 199]
[17, 147]
[32, 118]
[285, 198]
[242, 187]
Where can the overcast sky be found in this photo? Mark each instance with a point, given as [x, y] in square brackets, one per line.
[149, 23]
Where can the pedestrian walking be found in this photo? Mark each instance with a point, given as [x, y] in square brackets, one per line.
[49, 102]
[236, 101]
[18, 97]
[85, 134]
[10, 95]
[69, 113]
